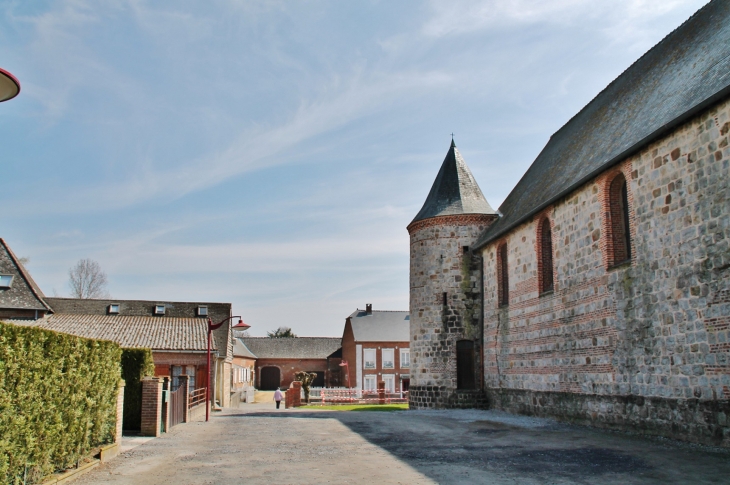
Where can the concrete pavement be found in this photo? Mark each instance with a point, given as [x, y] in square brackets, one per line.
[257, 444]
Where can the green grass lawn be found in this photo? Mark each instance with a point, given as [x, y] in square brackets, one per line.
[359, 407]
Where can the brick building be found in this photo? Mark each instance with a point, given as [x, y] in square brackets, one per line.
[243, 371]
[375, 345]
[278, 359]
[20, 296]
[600, 291]
[176, 332]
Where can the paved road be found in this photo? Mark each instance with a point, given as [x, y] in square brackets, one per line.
[258, 444]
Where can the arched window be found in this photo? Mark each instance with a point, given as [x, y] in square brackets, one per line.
[502, 275]
[545, 268]
[620, 239]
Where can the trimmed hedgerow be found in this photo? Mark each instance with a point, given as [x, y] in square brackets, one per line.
[58, 397]
[136, 364]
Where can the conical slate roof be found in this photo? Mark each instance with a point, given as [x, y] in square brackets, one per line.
[454, 191]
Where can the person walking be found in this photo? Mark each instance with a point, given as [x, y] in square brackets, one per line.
[277, 397]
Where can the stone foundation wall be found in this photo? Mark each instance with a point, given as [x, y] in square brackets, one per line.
[701, 421]
[442, 397]
[654, 330]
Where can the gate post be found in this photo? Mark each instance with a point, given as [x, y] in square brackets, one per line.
[120, 412]
[166, 404]
[293, 395]
[381, 392]
[185, 395]
[151, 406]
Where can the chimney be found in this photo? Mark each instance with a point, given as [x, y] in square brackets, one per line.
[369, 308]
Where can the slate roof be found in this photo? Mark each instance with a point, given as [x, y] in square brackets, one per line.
[381, 326]
[685, 73]
[240, 349]
[455, 191]
[292, 348]
[156, 333]
[24, 293]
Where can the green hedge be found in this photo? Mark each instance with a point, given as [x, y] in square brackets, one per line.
[136, 364]
[58, 397]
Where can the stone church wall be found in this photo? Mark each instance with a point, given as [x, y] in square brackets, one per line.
[644, 345]
[445, 306]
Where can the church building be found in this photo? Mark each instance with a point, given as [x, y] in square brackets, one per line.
[599, 291]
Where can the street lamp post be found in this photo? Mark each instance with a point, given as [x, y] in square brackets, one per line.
[211, 327]
[9, 86]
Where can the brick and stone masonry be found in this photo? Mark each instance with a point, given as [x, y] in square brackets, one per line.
[642, 345]
[445, 306]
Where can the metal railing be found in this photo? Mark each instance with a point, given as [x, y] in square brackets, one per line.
[356, 396]
[196, 397]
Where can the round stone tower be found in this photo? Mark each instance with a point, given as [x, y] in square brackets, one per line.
[446, 290]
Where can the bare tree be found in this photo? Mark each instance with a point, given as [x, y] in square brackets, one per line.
[87, 280]
[306, 378]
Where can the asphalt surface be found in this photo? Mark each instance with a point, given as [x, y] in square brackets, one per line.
[257, 444]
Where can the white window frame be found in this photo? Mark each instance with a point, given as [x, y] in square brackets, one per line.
[370, 378]
[384, 359]
[369, 364]
[113, 309]
[203, 310]
[10, 281]
[406, 360]
[389, 380]
[159, 309]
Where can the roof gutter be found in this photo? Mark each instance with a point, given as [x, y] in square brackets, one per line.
[684, 117]
[182, 351]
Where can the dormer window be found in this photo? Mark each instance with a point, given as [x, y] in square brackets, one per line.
[159, 309]
[6, 280]
[202, 311]
[113, 309]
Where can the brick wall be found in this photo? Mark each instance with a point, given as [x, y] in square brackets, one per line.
[445, 290]
[379, 370]
[642, 344]
[349, 353]
[288, 367]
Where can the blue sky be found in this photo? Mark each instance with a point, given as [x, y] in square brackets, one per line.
[271, 154]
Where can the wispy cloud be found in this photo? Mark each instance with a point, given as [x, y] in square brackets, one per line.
[325, 122]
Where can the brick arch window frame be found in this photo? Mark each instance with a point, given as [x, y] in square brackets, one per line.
[502, 274]
[545, 256]
[617, 221]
